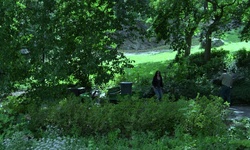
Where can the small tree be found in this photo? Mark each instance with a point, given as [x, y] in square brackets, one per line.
[218, 19]
[176, 22]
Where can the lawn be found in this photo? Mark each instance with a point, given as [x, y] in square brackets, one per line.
[147, 62]
[164, 55]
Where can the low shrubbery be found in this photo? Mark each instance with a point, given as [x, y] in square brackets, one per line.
[132, 123]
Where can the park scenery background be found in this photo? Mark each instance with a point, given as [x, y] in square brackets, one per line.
[63, 65]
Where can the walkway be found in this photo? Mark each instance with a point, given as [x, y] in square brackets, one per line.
[239, 112]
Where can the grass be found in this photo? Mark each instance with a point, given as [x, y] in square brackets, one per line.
[152, 56]
[147, 62]
[236, 46]
[165, 55]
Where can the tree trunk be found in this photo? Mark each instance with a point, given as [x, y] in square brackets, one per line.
[189, 44]
[208, 46]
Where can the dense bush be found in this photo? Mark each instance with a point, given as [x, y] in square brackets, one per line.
[189, 77]
[132, 123]
[243, 58]
[188, 117]
[192, 75]
[242, 75]
[129, 115]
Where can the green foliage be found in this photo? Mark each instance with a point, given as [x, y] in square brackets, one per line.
[240, 128]
[76, 42]
[177, 22]
[243, 58]
[129, 115]
[241, 82]
[190, 76]
[241, 144]
[64, 40]
[232, 36]
[12, 116]
[133, 123]
[215, 143]
[17, 141]
[217, 62]
[204, 116]
[145, 141]
[177, 31]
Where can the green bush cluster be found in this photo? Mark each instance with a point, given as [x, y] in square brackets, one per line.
[129, 115]
[191, 75]
[240, 89]
[132, 123]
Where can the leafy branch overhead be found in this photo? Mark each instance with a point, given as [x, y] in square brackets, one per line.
[65, 39]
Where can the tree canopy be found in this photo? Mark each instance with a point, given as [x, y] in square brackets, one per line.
[177, 22]
[64, 40]
[49, 43]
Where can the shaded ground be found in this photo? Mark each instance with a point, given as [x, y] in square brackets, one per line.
[239, 112]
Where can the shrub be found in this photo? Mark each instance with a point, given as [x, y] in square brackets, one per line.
[243, 58]
[12, 116]
[241, 83]
[203, 115]
[240, 93]
[132, 123]
[19, 140]
[129, 115]
[192, 75]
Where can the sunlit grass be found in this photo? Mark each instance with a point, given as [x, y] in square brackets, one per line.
[146, 63]
[151, 57]
[236, 46]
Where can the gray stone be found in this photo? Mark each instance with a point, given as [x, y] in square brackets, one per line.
[215, 43]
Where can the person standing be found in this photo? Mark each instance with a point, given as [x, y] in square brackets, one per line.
[157, 85]
[226, 81]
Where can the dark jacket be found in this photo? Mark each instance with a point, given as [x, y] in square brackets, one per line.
[155, 82]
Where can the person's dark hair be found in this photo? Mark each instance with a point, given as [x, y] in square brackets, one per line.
[157, 73]
[154, 82]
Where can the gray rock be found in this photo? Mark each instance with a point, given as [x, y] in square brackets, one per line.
[215, 43]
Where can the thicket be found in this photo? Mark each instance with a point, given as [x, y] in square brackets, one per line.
[190, 115]
[189, 76]
[130, 119]
[133, 123]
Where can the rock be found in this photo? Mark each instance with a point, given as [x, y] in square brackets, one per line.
[215, 43]
[136, 39]
[140, 44]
